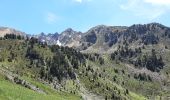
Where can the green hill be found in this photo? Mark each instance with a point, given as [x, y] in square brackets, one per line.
[32, 70]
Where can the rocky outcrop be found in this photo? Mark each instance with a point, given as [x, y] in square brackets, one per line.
[17, 80]
[26, 84]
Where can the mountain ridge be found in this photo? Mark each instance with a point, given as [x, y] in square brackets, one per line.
[111, 63]
[105, 38]
[105, 34]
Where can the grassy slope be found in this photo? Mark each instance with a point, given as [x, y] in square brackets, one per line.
[10, 91]
[21, 93]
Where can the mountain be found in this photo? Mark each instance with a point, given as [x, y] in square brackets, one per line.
[49, 38]
[107, 38]
[104, 63]
[101, 37]
[6, 30]
[69, 38]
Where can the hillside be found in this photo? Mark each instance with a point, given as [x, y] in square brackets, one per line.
[6, 30]
[107, 63]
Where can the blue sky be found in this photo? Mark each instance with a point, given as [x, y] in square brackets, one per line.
[49, 16]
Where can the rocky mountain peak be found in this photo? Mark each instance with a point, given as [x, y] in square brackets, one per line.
[68, 31]
[42, 34]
